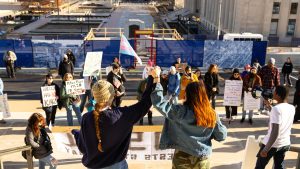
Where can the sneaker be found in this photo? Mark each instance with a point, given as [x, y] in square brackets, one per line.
[225, 119]
[242, 120]
[2, 121]
[284, 84]
[250, 121]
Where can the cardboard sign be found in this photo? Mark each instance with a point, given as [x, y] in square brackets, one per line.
[75, 87]
[92, 64]
[49, 96]
[4, 108]
[233, 92]
[250, 103]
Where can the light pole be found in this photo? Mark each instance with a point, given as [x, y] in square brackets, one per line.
[80, 21]
[219, 22]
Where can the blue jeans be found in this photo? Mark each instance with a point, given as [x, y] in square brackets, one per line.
[120, 165]
[278, 155]
[88, 94]
[46, 160]
[69, 109]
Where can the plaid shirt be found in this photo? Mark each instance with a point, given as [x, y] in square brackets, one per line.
[270, 77]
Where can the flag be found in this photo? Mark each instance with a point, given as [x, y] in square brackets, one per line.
[125, 48]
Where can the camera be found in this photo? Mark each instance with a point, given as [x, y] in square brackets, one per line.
[267, 94]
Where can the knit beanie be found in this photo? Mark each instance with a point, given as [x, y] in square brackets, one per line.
[103, 92]
[236, 71]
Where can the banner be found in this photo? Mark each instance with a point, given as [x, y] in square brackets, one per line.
[92, 64]
[143, 146]
[233, 92]
[49, 96]
[75, 87]
[250, 103]
[4, 109]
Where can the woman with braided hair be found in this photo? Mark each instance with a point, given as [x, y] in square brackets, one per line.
[105, 133]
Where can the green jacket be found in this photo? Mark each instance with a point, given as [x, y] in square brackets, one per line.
[66, 99]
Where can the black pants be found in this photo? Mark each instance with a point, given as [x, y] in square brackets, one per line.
[10, 69]
[50, 114]
[233, 111]
[149, 118]
[278, 155]
[287, 76]
[117, 102]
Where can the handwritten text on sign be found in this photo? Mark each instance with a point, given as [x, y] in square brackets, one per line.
[250, 103]
[92, 64]
[233, 92]
[143, 146]
[49, 96]
[75, 87]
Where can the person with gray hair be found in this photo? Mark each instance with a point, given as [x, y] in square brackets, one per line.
[65, 66]
[105, 133]
[173, 85]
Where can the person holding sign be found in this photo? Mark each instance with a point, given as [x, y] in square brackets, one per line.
[117, 78]
[188, 128]
[232, 110]
[251, 81]
[105, 133]
[70, 101]
[211, 79]
[50, 106]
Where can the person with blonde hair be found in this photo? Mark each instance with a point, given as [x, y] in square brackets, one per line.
[37, 137]
[69, 101]
[105, 133]
[186, 79]
[189, 128]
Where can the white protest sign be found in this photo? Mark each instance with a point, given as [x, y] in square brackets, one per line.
[75, 87]
[250, 103]
[233, 92]
[92, 64]
[143, 146]
[4, 109]
[49, 96]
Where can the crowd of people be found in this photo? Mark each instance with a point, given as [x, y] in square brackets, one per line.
[104, 136]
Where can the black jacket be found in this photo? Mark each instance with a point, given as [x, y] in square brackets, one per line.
[71, 58]
[287, 68]
[65, 67]
[111, 78]
[211, 80]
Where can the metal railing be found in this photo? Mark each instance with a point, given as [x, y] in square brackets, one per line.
[18, 150]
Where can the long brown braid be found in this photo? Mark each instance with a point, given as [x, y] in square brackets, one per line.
[96, 114]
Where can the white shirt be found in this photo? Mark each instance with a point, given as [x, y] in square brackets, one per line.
[282, 114]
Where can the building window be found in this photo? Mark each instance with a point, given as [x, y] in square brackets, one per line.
[294, 7]
[291, 27]
[276, 7]
[274, 26]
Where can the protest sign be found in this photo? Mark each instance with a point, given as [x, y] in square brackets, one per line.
[233, 92]
[250, 103]
[75, 87]
[143, 145]
[4, 109]
[92, 64]
[49, 96]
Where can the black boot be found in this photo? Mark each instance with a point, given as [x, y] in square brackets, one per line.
[150, 118]
[242, 120]
[141, 121]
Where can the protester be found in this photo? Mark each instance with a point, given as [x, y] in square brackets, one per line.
[51, 110]
[9, 59]
[105, 133]
[71, 57]
[164, 81]
[287, 69]
[270, 78]
[147, 69]
[250, 82]
[232, 110]
[177, 63]
[189, 128]
[246, 71]
[141, 90]
[117, 78]
[87, 94]
[2, 121]
[173, 85]
[277, 141]
[180, 67]
[297, 100]
[38, 139]
[116, 61]
[69, 101]
[198, 73]
[211, 82]
[65, 66]
[257, 65]
[186, 79]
